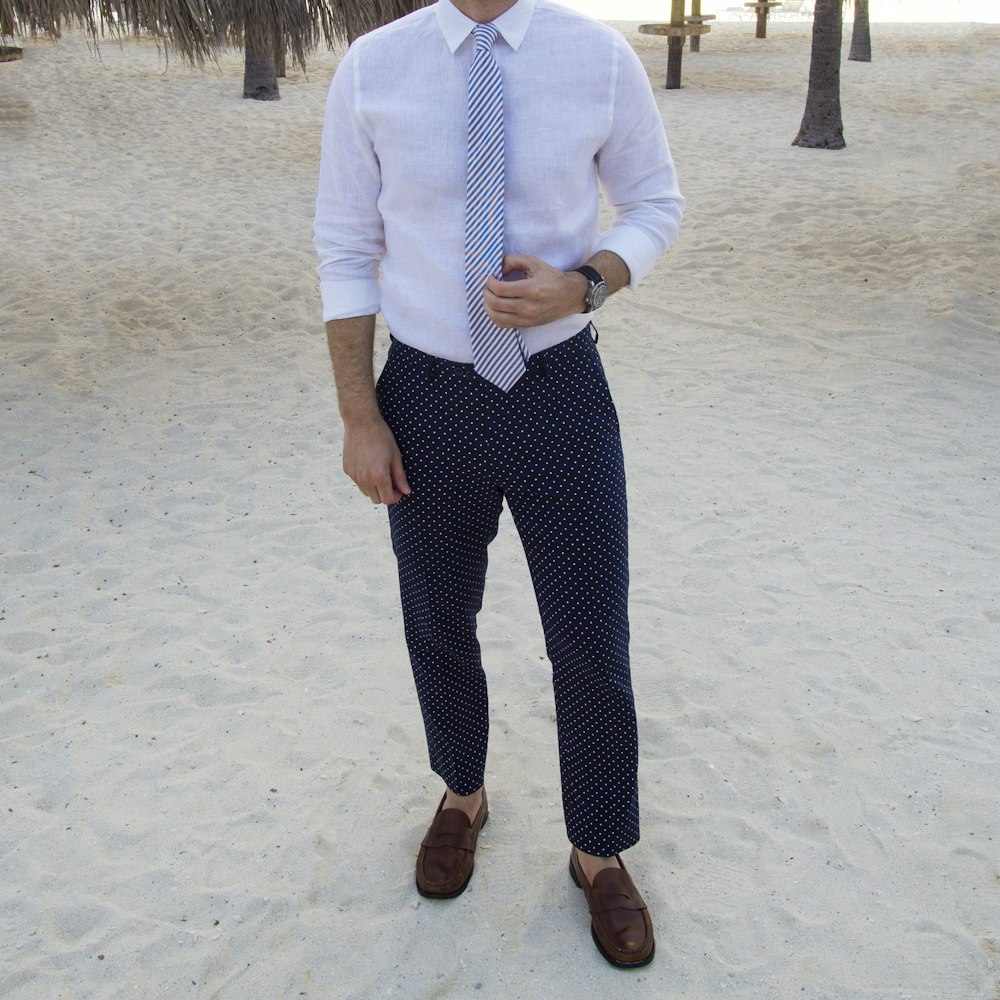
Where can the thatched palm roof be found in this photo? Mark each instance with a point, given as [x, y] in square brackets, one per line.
[197, 28]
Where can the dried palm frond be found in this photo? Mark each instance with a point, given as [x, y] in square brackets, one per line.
[196, 29]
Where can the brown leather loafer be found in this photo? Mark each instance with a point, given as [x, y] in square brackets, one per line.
[447, 853]
[619, 920]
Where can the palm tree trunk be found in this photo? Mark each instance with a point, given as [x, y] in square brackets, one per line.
[259, 80]
[279, 53]
[861, 36]
[822, 125]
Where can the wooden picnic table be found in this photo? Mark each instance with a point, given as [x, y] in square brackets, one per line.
[763, 8]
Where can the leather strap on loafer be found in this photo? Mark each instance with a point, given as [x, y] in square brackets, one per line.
[614, 891]
[450, 829]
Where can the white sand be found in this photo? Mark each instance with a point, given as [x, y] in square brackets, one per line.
[214, 778]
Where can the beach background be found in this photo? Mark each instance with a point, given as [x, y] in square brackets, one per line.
[905, 11]
[213, 772]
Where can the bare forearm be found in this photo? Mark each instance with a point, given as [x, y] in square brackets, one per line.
[351, 343]
[612, 269]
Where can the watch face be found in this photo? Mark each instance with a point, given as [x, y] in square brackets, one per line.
[598, 295]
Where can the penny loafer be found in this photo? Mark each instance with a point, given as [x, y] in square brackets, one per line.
[447, 852]
[619, 920]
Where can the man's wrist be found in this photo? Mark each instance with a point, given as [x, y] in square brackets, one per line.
[580, 286]
[360, 413]
[597, 289]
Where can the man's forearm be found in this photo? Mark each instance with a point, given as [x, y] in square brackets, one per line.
[611, 268]
[351, 342]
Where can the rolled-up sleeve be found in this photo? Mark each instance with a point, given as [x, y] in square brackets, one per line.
[637, 174]
[347, 230]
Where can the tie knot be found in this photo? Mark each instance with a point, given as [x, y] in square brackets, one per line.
[486, 36]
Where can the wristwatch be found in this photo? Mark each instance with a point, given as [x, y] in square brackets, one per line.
[597, 293]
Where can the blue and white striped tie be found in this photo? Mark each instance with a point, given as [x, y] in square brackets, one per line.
[498, 354]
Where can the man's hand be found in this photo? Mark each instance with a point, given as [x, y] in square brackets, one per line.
[372, 460]
[543, 295]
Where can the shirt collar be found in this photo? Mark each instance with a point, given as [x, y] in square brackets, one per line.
[512, 23]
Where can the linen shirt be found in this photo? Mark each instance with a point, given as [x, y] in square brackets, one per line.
[390, 215]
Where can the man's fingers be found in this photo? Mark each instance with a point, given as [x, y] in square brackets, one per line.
[525, 263]
[388, 496]
[398, 474]
[523, 310]
[509, 289]
[386, 488]
[383, 493]
[498, 303]
[380, 488]
[369, 487]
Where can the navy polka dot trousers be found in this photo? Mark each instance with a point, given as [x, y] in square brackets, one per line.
[551, 448]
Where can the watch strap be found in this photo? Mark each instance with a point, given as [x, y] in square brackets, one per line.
[596, 280]
[590, 273]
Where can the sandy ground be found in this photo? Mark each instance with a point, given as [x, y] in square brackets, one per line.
[214, 779]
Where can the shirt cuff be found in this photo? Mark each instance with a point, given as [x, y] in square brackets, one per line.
[635, 248]
[355, 297]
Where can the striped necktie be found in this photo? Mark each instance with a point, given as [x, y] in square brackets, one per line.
[498, 354]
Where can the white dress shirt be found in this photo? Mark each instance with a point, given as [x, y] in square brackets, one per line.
[390, 214]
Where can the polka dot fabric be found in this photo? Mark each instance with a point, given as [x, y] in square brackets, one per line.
[551, 447]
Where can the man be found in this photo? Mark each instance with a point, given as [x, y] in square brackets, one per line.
[462, 150]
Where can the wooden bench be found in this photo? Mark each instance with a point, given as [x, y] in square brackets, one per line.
[676, 33]
[763, 8]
